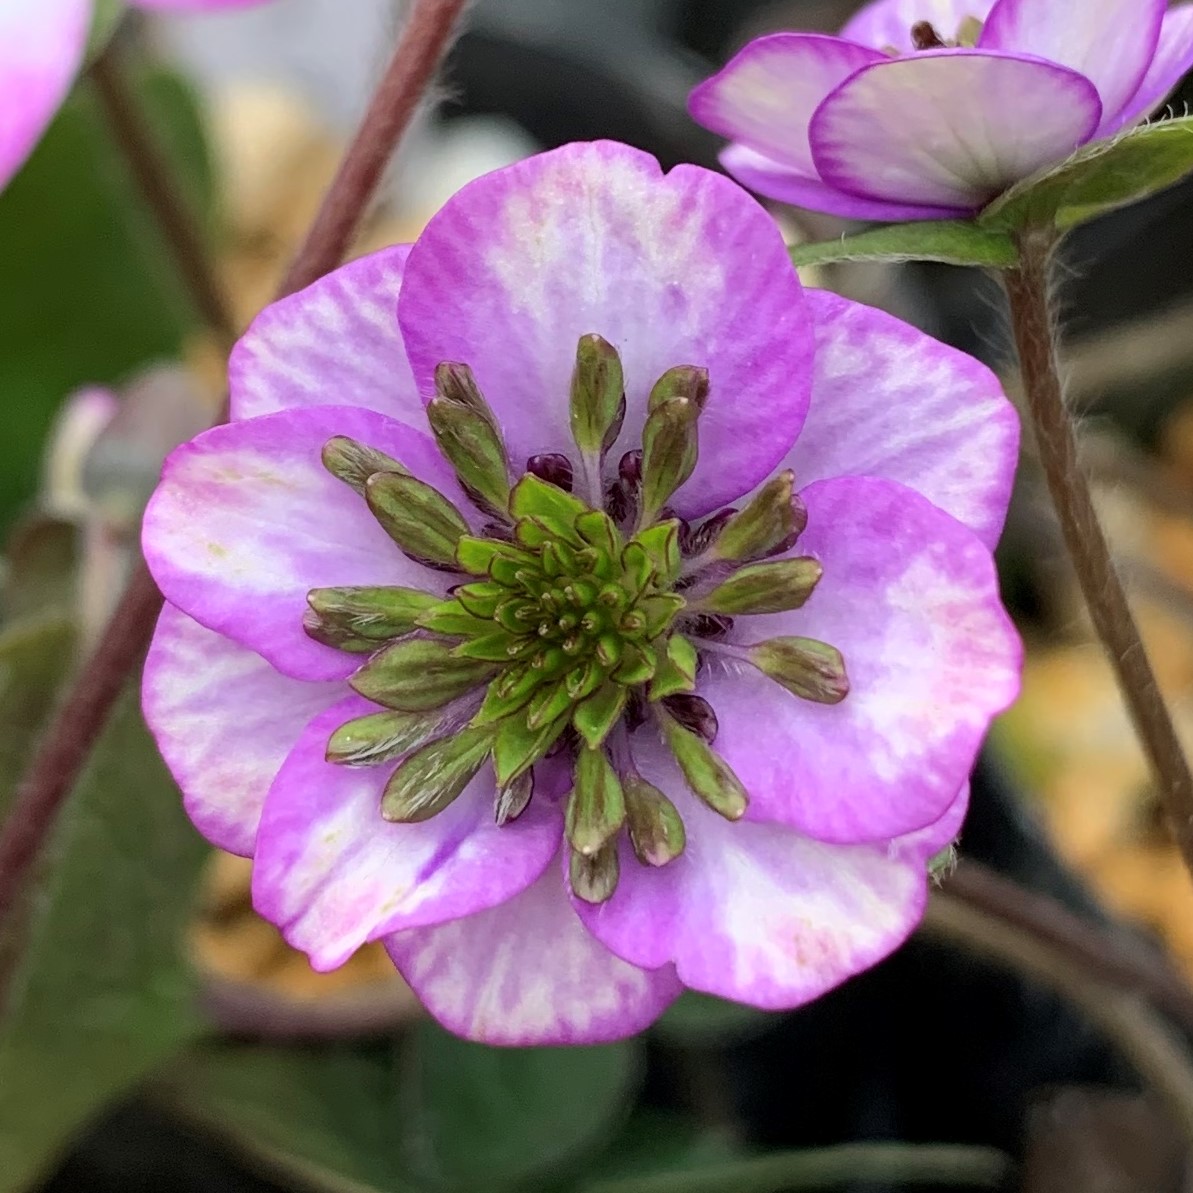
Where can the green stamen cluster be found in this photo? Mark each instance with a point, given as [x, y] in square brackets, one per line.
[572, 621]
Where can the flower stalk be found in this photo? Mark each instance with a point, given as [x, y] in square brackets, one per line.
[1027, 287]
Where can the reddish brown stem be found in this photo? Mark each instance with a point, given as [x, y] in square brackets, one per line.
[87, 704]
[1031, 319]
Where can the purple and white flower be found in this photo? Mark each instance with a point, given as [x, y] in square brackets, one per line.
[499, 630]
[42, 44]
[928, 109]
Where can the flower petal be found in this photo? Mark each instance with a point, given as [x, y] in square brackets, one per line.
[528, 973]
[890, 401]
[1110, 42]
[332, 874]
[952, 128]
[760, 913]
[247, 520]
[41, 50]
[195, 5]
[676, 269]
[224, 721]
[334, 343]
[765, 95]
[931, 840]
[1172, 61]
[766, 176]
[910, 598]
[887, 23]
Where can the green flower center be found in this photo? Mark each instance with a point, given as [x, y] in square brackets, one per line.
[583, 609]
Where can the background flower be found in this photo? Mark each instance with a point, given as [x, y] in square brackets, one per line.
[42, 43]
[927, 109]
[905, 450]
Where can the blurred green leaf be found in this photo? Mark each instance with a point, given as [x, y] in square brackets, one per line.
[105, 16]
[955, 242]
[700, 1019]
[102, 996]
[88, 293]
[657, 1141]
[1097, 179]
[40, 568]
[475, 1117]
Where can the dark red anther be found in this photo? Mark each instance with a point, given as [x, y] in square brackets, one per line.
[925, 37]
[695, 714]
[554, 468]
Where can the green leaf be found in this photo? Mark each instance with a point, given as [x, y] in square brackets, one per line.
[75, 239]
[101, 996]
[955, 242]
[700, 1020]
[1097, 179]
[476, 1118]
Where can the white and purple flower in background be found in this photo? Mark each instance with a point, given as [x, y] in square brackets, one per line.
[585, 609]
[928, 109]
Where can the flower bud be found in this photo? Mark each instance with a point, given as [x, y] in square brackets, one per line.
[554, 468]
[598, 395]
[768, 521]
[669, 452]
[764, 588]
[656, 829]
[380, 736]
[677, 669]
[361, 619]
[594, 879]
[683, 381]
[597, 715]
[417, 674]
[806, 668]
[472, 445]
[424, 524]
[596, 806]
[514, 798]
[707, 774]
[433, 776]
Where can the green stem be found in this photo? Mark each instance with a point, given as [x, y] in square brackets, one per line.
[1028, 293]
[951, 1165]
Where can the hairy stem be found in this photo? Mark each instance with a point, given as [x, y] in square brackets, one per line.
[1031, 319]
[154, 179]
[88, 702]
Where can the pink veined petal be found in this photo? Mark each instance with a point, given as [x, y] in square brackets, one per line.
[224, 721]
[334, 343]
[1110, 42]
[760, 173]
[952, 128]
[247, 520]
[760, 913]
[1173, 60]
[890, 401]
[910, 598]
[887, 23]
[332, 874]
[765, 95]
[528, 973]
[683, 268]
[927, 842]
[41, 50]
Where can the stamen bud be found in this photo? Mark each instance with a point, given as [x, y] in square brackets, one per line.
[925, 37]
[418, 674]
[424, 524]
[683, 381]
[594, 879]
[469, 439]
[707, 774]
[764, 588]
[433, 776]
[656, 829]
[598, 395]
[768, 521]
[354, 462]
[596, 807]
[380, 736]
[359, 620]
[669, 452]
[805, 667]
[554, 468]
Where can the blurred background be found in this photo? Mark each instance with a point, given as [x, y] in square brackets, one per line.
[164, 1039]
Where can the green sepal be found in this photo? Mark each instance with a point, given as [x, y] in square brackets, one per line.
[594, 879]
[706, 773]
[435, 775]
[354, 462]
[451, 618]
[360, 619]
[508, 693]
[424, 524]
[676, 672]
[549, 703]
[532, 497]
[595, 717]
[507, 613]
[537, 530]
[482, 598]
[596, 807]
[638, 569]
[682, 381]
[417, 674]
[598, 395]
[497, 646]
[513, 798]
[471, 443]
[456, 383]
[638, 664]
[656, 828]
[659, 611]
[476, 555]
[770, 519]
[807, 668]
[519, 747]
[380, 736]
[661, 544]
[597, 529]
[955, 242]
[670, 448]
[774, 587]
[584, 679]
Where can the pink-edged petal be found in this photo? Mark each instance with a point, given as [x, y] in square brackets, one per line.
[927, 842]
[336, 343]
[890, 401]
[910, 598]
[759, 913]
[1110, 42]
[247, 520]
[332, 874]
[1172, 61]
[886, 24]
[528, 973]
[765, 95]
[41, 50]
[760, 173]
[952, 128]
[224, 721]
[683, 268]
